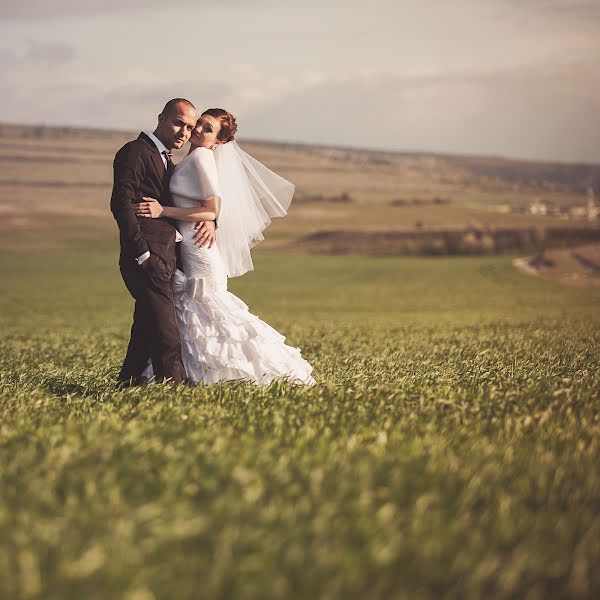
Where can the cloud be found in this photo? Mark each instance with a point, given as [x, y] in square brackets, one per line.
[41, 9]
[568, 8]
[50, 52]
[7, 56]
[85, 101]
[545, 113]
[45, 9]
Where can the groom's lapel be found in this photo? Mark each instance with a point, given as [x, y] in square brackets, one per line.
[159, 165]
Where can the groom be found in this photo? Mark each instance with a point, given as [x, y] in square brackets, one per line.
[143, 167]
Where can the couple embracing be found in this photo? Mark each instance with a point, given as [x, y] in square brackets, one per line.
[184, 230]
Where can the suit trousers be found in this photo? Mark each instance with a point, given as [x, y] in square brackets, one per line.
[154, 333]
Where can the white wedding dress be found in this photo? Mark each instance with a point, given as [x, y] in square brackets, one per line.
[220, 339]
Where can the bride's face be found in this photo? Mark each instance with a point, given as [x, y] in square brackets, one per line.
[206, 131]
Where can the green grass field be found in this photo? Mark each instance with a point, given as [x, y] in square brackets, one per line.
[450, 449]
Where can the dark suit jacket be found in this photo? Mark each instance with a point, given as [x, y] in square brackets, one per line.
[139, 171]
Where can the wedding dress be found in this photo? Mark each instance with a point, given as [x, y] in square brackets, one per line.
[221, 339]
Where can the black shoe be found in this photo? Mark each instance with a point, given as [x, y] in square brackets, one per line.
[123, 384]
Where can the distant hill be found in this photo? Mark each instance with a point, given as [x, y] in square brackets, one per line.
[497, 173]
[59, 179]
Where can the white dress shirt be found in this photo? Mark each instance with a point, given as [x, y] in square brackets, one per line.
[161, 148]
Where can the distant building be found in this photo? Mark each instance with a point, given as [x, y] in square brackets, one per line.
[593, 209]
[538, 208]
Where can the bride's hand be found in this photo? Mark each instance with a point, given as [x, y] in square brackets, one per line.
[150, 208]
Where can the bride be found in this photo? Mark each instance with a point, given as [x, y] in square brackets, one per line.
[220, 339]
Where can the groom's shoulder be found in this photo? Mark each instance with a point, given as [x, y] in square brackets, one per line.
[133, 150]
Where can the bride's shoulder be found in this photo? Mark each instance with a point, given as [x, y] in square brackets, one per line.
[200, 157]
[201, 154]
[197, 157]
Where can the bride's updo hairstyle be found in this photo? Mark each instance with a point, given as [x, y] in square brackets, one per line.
[227, 121]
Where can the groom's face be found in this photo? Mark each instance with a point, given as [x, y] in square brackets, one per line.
[174, 128]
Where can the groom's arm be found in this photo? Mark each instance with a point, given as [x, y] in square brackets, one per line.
[128, 174]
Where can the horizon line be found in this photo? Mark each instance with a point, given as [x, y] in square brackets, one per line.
[409, 152]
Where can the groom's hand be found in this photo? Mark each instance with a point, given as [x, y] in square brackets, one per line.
[205, 234]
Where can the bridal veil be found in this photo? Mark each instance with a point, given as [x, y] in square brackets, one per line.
[251, 195]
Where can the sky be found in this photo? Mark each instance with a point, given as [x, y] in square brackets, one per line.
[516, 78]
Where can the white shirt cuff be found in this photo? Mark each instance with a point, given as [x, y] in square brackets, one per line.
[140, 259]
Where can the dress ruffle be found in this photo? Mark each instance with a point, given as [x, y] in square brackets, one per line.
[222, 340]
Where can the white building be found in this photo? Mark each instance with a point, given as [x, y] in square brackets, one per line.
[538, 208]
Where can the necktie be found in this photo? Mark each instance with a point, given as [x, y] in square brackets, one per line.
[170, 165]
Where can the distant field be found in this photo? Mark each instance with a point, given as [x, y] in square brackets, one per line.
[52, 179]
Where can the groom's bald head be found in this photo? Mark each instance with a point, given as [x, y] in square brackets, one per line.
[175, 104]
